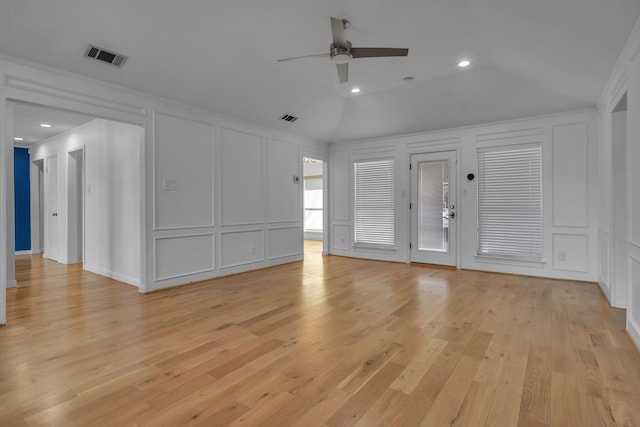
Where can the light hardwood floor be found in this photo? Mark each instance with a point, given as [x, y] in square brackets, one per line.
[331, 341]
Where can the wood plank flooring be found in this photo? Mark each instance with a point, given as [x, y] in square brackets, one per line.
[326, 342]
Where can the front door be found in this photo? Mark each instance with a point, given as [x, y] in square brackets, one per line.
[433, 208]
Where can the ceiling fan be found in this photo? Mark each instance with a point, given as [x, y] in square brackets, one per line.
[341, 51]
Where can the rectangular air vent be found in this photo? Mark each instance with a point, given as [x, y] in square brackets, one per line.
[102, 55]
[289, 118]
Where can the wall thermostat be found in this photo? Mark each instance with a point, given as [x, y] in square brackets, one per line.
[470, 177]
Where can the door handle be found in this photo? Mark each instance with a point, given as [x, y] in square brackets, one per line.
[54, 214]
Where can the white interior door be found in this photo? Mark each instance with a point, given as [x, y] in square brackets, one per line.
[51, 211]
[433, 208]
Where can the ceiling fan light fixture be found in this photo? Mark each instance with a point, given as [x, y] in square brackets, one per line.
[341, 58]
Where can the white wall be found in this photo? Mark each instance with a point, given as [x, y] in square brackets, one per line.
[186, 234]
[569, 191]
[624, 79]
[112, 194]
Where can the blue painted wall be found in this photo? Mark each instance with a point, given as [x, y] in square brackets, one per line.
[22, 198]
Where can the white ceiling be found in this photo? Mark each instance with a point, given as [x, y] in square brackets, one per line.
[529, 57]
[27, 119]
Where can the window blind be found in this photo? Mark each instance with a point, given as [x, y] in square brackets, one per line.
[510, 202]
[374, 202]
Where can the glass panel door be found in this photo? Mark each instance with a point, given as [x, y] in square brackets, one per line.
[433, 208]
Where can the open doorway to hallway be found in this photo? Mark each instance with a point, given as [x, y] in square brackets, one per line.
[313, 196]
[83, 187]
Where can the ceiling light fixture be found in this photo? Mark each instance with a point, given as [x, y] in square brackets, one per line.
[17, 138]
[355, 90]
[464, 63]
[45, 125]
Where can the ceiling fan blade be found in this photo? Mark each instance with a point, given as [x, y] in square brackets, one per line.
[337, 31]
[343, 72]
[374, 52]
[319, 55]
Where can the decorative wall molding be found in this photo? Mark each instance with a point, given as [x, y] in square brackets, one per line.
[186, 273]
[257, 256]
[284, 253]
[365, 151]
[579, 241]
[430, 142]
[31, 86]
[510, 134]
[559, 165]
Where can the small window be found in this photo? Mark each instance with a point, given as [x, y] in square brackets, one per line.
[374, 203]
[510, 202]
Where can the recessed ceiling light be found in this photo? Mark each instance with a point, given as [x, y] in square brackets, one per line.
[464, 63]
[17, 138]
[408, 79]
[45, 125]
[355, 90]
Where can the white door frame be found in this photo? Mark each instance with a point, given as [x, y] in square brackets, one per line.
[71, 152]
[620, 288]
[324, 157]
[6, 179]
[451, 258]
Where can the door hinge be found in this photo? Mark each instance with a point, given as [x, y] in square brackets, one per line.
[409, 166]
[409, 245]
[409, 205]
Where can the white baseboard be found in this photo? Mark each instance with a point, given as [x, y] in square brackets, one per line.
[606, 290]
[12, 283]
[313, 235]
[24, 253]
[634, 330]
[115, 276]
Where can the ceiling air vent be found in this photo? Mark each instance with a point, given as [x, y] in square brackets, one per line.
[289, 118]
[102, 55]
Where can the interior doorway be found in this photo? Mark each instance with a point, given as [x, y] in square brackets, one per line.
[75, 206]
[620, 284]
[313, 205]
[87, 205]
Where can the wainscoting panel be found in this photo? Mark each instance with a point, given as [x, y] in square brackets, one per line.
[284, 242]
[178, 256]
[241, 247]
[571, 252]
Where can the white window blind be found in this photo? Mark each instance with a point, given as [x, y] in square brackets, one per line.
[374, 202]
[510, 202]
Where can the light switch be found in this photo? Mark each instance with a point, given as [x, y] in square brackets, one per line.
[170, 184]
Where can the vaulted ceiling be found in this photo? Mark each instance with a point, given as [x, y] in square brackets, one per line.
[527, 57]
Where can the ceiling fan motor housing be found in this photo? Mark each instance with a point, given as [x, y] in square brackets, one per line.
[340, 54]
